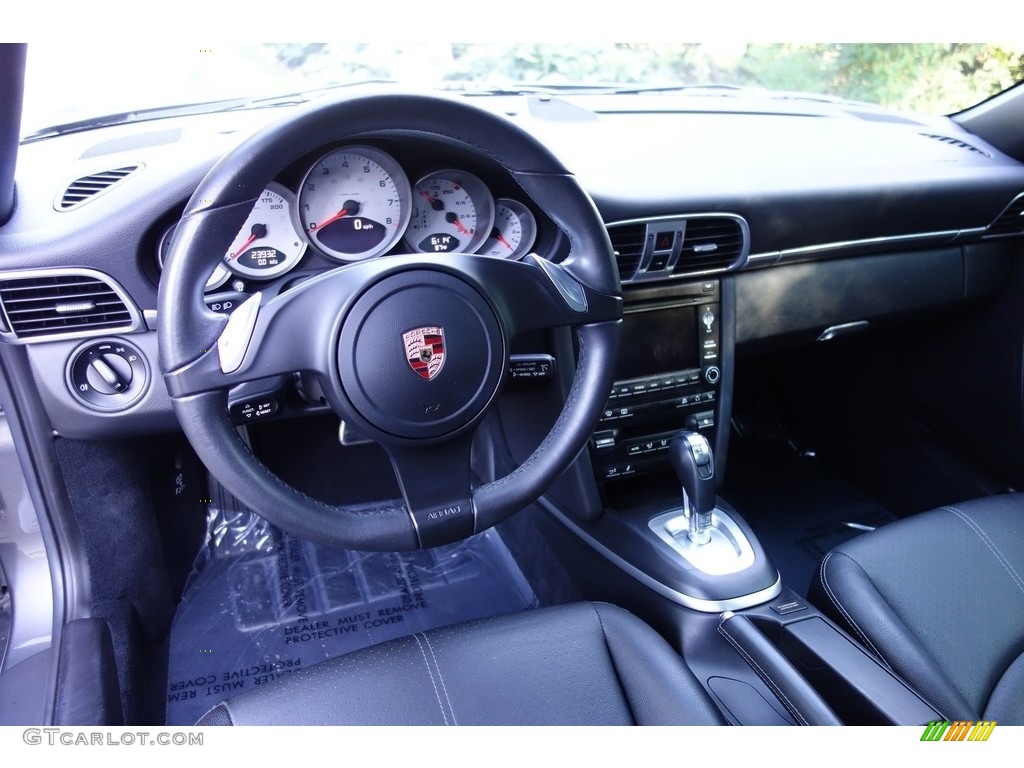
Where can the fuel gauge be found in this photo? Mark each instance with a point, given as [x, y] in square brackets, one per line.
[514, 231]
[453, 212]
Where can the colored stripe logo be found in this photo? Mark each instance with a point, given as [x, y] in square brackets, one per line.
[958, 730]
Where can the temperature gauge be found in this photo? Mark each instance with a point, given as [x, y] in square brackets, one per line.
[453, 212]
[514, 231]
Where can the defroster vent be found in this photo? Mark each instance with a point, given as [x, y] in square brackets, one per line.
[85, 188]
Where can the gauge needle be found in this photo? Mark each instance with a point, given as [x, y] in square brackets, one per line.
[453, 218]
[436, 204]
[257, 231]
[496, 234]
[350, 208]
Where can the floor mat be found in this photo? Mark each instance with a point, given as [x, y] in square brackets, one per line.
[797, 507]
[261, 604]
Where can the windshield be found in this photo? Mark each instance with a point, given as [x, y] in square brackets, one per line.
[63, 87]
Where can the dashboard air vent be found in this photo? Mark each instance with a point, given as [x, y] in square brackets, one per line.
[955, 143]
[711, 243]
[667, 247]
[628, 242]
[85, 188]
[52, 303]
[1009, 222]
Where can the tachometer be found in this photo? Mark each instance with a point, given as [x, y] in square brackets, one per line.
[268, 244]
[514, 231]
[354, 203]
[453, 212]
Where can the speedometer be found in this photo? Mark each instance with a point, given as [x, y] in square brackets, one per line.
[354, 203]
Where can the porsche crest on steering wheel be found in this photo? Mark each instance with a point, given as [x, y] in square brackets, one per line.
[424, 349]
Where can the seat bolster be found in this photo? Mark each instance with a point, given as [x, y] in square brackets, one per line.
[871, 619]
[579, 664]
[659, 690]
[1006, 704]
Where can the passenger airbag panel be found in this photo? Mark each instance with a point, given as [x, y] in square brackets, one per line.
[810, 297]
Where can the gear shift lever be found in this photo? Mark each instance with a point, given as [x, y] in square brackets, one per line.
[690, 456]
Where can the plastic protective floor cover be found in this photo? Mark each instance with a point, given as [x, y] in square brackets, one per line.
[261, 604]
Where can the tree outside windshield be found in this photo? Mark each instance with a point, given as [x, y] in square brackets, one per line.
[935, 78]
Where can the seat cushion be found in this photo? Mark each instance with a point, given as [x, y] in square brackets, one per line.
[939, 597]
[581, 664]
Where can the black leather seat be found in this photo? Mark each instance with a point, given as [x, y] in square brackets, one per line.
[583, 664]
[939, 597]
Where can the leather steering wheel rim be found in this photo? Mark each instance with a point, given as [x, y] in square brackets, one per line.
[582, 292]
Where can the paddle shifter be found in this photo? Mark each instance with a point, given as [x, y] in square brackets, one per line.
[690, 456]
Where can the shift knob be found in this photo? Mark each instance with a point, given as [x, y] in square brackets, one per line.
[690, 456]
[691, 459]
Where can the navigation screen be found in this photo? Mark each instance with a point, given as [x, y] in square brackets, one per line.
[657, 341]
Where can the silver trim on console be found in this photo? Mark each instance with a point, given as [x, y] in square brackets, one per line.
[687, 601]
[727, 550]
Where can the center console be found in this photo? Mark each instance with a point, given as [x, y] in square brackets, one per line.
[695, 569]
[668, 378]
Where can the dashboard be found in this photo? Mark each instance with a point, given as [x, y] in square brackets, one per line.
[786, 220]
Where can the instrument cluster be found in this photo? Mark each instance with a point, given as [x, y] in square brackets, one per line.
[356, 202]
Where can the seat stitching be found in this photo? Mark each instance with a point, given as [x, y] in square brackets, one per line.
[440, 704]
[615, 667]
[842, 610]
[990, 544]
[441, 678]
[762, 674]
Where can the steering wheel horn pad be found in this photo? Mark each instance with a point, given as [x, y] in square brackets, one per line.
[421, 355]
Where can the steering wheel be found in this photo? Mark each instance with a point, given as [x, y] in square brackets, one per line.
[351, 328]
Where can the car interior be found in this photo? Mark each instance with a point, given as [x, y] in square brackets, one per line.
[403, 407]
